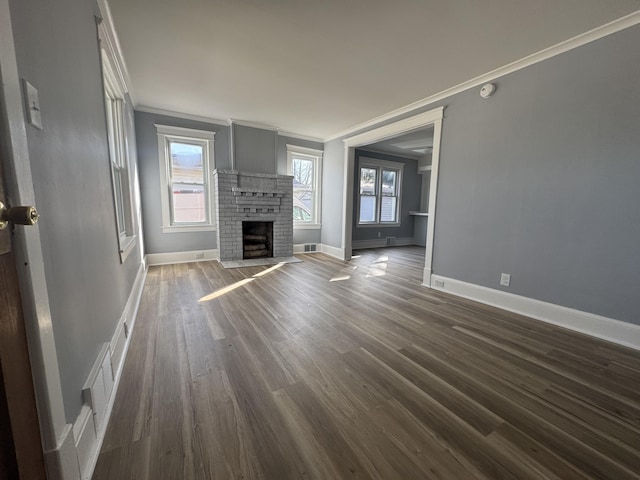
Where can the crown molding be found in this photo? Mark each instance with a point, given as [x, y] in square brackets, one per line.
[261, 126]
[284, 133]
[595, 34]
[184, 116]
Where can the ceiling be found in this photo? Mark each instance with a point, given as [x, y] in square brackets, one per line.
[416, 144]
[320, 67]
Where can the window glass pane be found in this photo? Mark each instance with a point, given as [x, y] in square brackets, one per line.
[367, 208]
[388, 209]
[188, 202]
[302, 173]
[368, 181]
[303, 193]
[389, 182]
[117, 180]
[186, 162]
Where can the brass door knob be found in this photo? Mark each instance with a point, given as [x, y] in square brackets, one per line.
[18, 215]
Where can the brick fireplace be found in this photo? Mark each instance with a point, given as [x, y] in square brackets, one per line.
[246, 201]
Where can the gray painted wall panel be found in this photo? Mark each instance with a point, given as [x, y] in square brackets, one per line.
[542, 181]
[254, 149]
[410, 200]
[57, 51]
[149, 164]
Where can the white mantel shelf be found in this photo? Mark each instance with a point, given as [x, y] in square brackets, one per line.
[419, 214]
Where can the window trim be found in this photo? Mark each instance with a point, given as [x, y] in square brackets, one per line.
[114, 91]
[379, 165]
[316, 157]
[167, 133]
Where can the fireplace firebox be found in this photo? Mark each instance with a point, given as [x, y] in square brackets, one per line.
[257, 240]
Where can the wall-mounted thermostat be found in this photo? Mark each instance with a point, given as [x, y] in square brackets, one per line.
[487, 90]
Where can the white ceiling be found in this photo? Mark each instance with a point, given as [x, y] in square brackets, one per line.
[320, 67]
[413, 145]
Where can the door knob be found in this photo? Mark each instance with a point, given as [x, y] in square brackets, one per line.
[17, 216]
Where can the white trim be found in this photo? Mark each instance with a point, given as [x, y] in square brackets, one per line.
[55, 431]
[260, 126]
[184, 132]
[88, 440]
[562, 47]
[432, 117]
[605, 328]
[381, 242]
[188, 228]
[205, 139]
[169, 258]
[284, 133]
[336, 252]
[109, 36]
[395, 129]
[183, 116]
[316, 157]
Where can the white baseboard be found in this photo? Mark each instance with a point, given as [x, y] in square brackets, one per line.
[152, 259]
[62, 462]
[336, 252]
[88, 438]
[616, 331]
[381, 242]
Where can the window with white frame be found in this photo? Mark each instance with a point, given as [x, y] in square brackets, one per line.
[379, 192]
[186, 164]
[305, 165]
[117, 133]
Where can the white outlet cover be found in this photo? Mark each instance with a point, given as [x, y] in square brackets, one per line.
[505, 279]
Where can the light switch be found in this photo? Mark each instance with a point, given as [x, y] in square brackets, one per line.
[34, 115]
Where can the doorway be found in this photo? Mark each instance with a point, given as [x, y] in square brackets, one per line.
[432, 118]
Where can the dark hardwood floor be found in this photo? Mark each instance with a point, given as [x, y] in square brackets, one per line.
[329, 370]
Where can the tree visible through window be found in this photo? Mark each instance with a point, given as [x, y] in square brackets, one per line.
[304, 166]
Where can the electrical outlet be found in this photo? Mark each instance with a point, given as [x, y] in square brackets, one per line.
[439, 283]
[378, 234]
[200, 255]
[505, 279]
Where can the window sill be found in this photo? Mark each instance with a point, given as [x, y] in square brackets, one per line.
[306, 226]
[377, 225]
[188, 228]
[126, 247]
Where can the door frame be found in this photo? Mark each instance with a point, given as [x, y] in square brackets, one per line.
[432, 117]
[57, 434]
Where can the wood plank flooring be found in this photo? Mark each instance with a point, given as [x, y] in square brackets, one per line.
[331, 370]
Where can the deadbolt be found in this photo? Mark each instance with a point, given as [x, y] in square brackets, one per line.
[17, 216]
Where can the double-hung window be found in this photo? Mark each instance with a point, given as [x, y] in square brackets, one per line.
[379, 192]
[305, 165]
[115, 105]
[186, 163]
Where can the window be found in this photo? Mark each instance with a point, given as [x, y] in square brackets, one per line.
[379, 192]
[186, 163]
[115, 107]
[305, 165]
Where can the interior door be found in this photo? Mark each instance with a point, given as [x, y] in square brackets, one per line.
[21, 454]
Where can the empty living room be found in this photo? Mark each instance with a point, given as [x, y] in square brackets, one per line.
[288, 239]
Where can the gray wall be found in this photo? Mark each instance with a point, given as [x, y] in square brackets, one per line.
[299, 235]
[149, 163]
[410, 200]
[542, 181]
[254, 149]
[57, 51]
